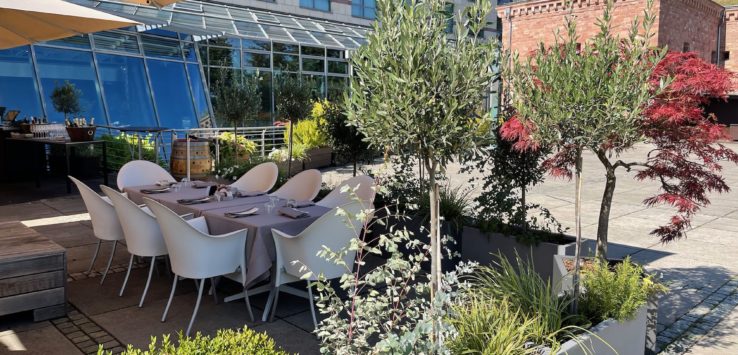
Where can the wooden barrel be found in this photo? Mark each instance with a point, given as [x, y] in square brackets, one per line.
[200, 162]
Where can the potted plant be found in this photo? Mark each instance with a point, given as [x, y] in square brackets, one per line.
[347, 142]
[294, 97]
[237, 101]
[310, 137]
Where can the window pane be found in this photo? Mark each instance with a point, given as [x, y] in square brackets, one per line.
[18, 90]
[258, 60]
[81, 41]
[126, 92]
[306, 3]
[337, 67]
[318, 82]
[320, 52]
[285, 48]
[189, 52]
[286, 62]
[309, 64]
[336, 87]
[171, 93]
[265, 88]
[258, 45]
[226, 57]
[55, 66]
[161, 48]
[114, 41]
[199, 92]
[336, 53]
[323, 5]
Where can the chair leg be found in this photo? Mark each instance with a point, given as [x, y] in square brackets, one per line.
[275, 300]
[171, 296]
[128, 273]
[110, 261]
[94, 256]
[197, 306]
[268, 306]
[148, 281]
[312, 304]
[213, 291]
[248, 304]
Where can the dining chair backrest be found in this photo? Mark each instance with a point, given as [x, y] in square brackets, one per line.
[141, 172]
[301, 187]
[333, 231]
[260, 178]
[365, 192]
[140, 228]
[105, 223]
[193, 252]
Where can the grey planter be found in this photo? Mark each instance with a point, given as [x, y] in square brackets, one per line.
[318, 158]
[482, 247]
[628, 337]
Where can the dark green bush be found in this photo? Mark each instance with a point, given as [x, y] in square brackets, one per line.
[225, 342]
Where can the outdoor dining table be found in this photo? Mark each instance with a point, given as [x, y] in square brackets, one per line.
[260, 250]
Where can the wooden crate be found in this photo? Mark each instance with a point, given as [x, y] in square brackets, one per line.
[33, 273]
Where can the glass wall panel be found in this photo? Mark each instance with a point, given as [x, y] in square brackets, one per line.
[265, 88]
[337, 67]
[199, 93]
[189, 52]
[172, 94]
[257, 60]
[55, 66]
[81, 41]
[286, 62]
[161, 48]
[126, 92]
[223, 56]
[115, 41]
[318, 82]
[336, 87]
[256, 45]
[285, 48]
[314, 51]
[18, 90]
[311, 64]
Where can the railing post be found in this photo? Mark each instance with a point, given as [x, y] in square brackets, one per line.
[263, 141]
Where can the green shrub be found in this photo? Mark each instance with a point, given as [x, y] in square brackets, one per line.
[299, 152]
[226, 341]
[530, 294]
[616, 292]
[119, 149]
[307, 134]
[227, 152]
[489, 326]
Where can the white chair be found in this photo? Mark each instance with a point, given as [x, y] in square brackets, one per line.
[195, 254]
[141, 231]
[293, 252]
[364, 186]
[141, 172]
[301, 187]
[105, 223]
[260, 178]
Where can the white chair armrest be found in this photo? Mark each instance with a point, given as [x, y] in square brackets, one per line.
[200, 224]
[230, 234]
[282, 234]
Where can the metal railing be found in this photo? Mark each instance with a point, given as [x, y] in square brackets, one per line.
[156, 146]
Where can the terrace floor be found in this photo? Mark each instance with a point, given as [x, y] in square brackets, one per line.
[698, 315]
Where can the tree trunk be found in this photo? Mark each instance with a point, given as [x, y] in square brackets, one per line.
[578, 228]
[289, 152]
[355, 167]
[235, 144]
[435, 241]
[604, 218]
[523, 210]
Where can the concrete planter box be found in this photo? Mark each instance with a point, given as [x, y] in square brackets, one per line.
[297, 166]
[318, 158]
[481, 247]
[628, 337]
[563, 282]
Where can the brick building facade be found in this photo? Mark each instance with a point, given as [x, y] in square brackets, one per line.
[692, 25]
[731, 39]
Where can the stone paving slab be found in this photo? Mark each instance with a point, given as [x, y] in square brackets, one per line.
[38, 341]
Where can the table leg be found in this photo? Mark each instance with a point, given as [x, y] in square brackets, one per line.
[68, 171]
[40, 163]
[105, 163]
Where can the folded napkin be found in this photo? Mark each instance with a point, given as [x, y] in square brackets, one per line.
[250, 193]
[165, 183]
[155, 191]
[301, 204]
[246, 213]
[292, 213]
[194, 201]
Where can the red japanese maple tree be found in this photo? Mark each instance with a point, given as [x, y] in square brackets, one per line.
[686, 157]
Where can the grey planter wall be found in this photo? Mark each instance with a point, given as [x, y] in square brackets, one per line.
[628, 337]
[318, 158]
[482, 247]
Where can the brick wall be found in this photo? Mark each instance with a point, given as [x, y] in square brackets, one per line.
[731, 38]
[678, 21]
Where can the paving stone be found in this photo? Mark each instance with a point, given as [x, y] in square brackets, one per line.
[98, 334]
[91, 349]
[80, 339]
[104, 339]
[69, 330]
[76, 334]
[65, 324]
[81, 321]
[90, 328]
[86, 344]
[110, 344]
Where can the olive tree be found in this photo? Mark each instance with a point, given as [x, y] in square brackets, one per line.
[237, 100]
[418, 92]
[294, 100]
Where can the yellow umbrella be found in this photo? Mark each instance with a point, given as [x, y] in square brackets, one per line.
[29, 21]
[157, 3]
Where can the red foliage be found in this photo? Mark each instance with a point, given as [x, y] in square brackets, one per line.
[687, 157]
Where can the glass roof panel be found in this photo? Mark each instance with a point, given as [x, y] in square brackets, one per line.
[309, 25]
[119, 8]
[249, 29]
[276, 32]
[188, 6]
[303, 37]
[219, 24]
[154, 14]
[215, 10]
[266, 18]
[346, 41]
[241, 14]
[287, 21]
[326, 40]
[332, 28]
[183, 19]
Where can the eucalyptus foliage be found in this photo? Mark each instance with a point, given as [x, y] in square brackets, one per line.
[416, 92]
[380, 309]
